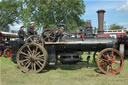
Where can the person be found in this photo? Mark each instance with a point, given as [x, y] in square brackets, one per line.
[31, 30]
[21, 33]
[81, 33]
[59, 33]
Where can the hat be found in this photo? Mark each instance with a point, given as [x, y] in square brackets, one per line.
[21, 26]
[32, 22]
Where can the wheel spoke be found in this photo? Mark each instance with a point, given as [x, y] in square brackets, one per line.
[23, 60]
[29, 48]
[24, 53]
[36, 49]
[102, 63]
[108, 56]
[104, 66]
[45, 38]
[105, 56]
[34, 67]
[27, 57]
[38, 64]
[37, 54]
[29, 64]
[33, 52]
[49, 33]
[104, 59]
[117, 59]
[111, 68]
[45, 33]
[108, 68]
[29, 54]
[41, 59]
[112, 53]
[49, 39]
[116, 62]
[31, 40]
[40, 56]
[52, 37]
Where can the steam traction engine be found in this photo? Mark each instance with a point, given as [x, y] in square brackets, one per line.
[38, 52]
[35, 54]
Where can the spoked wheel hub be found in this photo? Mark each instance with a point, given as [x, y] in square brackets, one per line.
[32, 58]
[110, 61]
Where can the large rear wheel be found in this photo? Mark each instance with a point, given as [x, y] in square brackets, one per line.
[31, 58]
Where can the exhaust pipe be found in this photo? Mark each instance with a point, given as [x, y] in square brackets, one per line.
[101, 23]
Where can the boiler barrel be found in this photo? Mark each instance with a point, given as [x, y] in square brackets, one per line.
[95, 44]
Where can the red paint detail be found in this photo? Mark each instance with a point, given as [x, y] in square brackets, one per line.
[82, 36]
[117, 34]
[9, 52]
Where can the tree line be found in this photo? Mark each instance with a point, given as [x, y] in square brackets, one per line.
[116, 27]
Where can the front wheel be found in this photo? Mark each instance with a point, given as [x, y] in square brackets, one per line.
[110, 61]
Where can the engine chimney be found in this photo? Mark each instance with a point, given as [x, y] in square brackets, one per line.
[88, 24]
[100, 23]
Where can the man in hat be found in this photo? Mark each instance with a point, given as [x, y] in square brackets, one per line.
[21, 33]
[31, 30]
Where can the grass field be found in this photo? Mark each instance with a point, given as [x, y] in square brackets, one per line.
[78, 74]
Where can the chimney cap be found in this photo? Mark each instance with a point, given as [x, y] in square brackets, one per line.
[101, 11]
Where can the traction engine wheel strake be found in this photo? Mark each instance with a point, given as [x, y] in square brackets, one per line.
[110, 61]
[31, 58]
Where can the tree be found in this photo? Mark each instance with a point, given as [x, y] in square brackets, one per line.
[45, 13]
[116, 27]
[49, 13]
[8, 13]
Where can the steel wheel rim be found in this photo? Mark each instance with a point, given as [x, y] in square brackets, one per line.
[30, 62]
[110, 61]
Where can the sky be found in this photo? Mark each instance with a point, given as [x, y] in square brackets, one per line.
[116, 12]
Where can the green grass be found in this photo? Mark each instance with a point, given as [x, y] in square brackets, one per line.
[79, 74]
